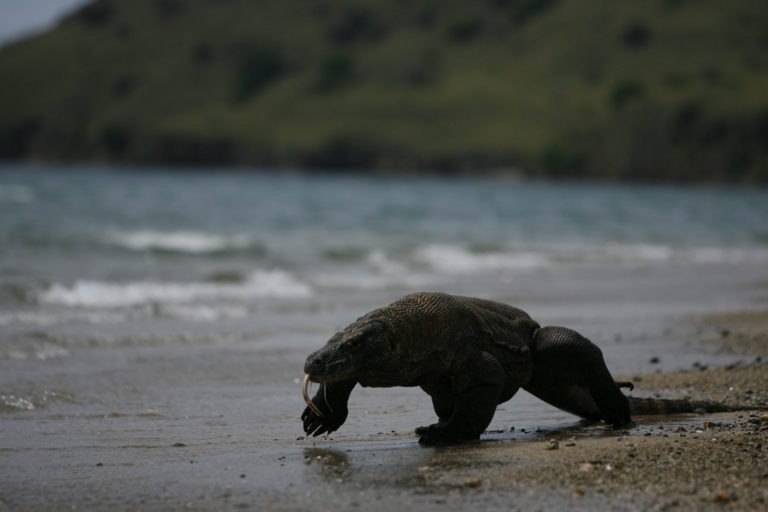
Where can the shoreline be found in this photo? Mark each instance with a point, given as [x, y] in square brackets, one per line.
[201, 449]
[505, 171]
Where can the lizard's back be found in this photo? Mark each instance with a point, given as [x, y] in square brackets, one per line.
[436, 322]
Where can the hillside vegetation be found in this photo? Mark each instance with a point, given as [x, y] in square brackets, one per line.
[644, 90]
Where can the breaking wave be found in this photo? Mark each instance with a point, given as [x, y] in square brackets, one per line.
[456, 259]
[192, 242]
[460, 260]
[423, 266]
[13, 402]
[259, 284]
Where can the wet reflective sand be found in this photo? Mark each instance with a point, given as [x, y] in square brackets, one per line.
[215, 426]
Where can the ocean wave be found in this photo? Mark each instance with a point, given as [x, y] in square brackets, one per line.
[14, 402]
[43, 319]
[10, 193]
[658, 253]
[192, 242]
[40, 352]
[380, 262]
[135, 311]
[370, 281]
[203, 313]
[629, 253]
[457, 259]
[101, 294]
[375, 270]
[729, 255]
[345, 254]
[460, 260]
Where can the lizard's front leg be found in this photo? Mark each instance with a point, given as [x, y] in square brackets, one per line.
[476, 385]
[443, 401]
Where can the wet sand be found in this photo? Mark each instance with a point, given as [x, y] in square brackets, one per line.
[678, 462]
[215, 427]
[683, 462]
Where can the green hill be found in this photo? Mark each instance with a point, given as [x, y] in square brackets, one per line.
[652, 89]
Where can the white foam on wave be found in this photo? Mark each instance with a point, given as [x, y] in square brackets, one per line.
[205, 313]
[369, 281]
[454, 259]
[457, 259]
[632, 253]
[729, 255]
[657, 253]
[195, 242]
[380, 262]
[380, 272]
[42, 319]
[260, 284]
[196, 312]
[43, 352]
[13, 402]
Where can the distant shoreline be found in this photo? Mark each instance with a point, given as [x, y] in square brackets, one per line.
[501, 173]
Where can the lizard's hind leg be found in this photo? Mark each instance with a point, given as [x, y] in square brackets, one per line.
[569, 372]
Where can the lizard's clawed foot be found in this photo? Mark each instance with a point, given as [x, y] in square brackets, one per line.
[330, 420]
[420, 431]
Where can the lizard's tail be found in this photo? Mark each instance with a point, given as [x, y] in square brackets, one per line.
[642, 406]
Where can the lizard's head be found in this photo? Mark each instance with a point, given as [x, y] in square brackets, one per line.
[363, 348]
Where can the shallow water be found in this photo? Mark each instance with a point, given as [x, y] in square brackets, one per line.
[142, 309]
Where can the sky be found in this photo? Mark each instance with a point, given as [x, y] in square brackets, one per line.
[19, 18]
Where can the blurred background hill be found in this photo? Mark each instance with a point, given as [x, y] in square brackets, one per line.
[672, 90]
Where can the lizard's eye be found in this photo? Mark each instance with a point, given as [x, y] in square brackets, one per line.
[352, 342]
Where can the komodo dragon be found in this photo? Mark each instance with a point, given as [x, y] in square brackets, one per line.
[469, 355]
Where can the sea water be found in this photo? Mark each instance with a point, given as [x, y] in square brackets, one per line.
[136, 257]
[105, 239]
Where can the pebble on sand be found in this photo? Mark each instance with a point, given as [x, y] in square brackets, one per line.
[722, 497]
[472, 482]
